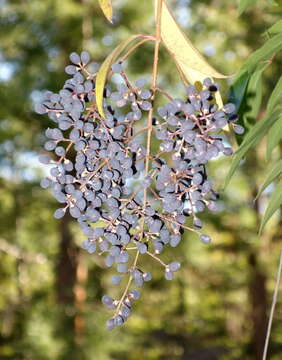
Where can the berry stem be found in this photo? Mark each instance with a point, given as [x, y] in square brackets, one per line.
[164, 93]
[154, 89]
[149, 125]
[150, 115]
[133, 48]
[67, 150]
[93, 174]
[136, 134]
[156, 258]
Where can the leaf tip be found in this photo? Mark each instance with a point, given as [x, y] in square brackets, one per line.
[107, 8]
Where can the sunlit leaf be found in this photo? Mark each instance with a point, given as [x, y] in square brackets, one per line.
[274, 204]
[275, 97]
[274, 137]
[191, 62]
[104, 70]
[250, 140]
[181, 47]
[244, 4]
[253, 97]
[273, 173]
[274, 29]
[106, 6]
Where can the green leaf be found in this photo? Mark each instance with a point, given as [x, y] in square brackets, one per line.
[104, 70]
[238, 89]
[274, 204]
[246, 94]
[265, 52]
[273, 173]
[250, 140]
[273, 3]
[253, 97]
[274, 137]
[275, 97]
[274, 29]
[107, 8]
[244, 4]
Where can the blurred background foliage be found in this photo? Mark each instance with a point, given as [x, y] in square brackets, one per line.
[50, 290]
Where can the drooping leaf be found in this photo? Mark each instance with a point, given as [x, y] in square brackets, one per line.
[265, 52]
[246, 94]
[193, 76]
[259, 130]
[274, 204]
[275, 28]
[104, 70]
[244, 4]
[190, 61]
[181, 47]
[253, 97]
[252, 138]
[275, 97]
[238, 89]
[274, 137]
[107, 8]
[273, 173]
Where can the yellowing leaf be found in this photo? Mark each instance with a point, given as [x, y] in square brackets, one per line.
[193, 76]
[190, 61]
[104, 70]
[106, 6]
[182, 48]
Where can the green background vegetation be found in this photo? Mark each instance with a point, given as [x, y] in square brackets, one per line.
[50, 290]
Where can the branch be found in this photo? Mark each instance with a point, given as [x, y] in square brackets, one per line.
[274, 301]
[18, 253]
[149, 125]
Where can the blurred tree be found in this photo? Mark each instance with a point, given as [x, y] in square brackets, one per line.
[49, 305]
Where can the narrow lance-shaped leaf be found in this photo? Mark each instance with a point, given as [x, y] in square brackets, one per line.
[268, 49]
[250, 107]
[107, 8]
[274, 204]
[252, 138]
[238, 89]
[273, 173]
[274, 136]
[104, 70]
[274, 29]
[275, 97]
[244, 4]
[246, 94]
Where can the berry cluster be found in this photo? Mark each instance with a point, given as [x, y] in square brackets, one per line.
[100, 177]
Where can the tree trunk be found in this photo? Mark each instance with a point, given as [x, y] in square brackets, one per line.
[258, 301]
[66, 271]
[67, 264]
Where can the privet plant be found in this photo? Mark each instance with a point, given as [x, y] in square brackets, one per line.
[128, 201]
